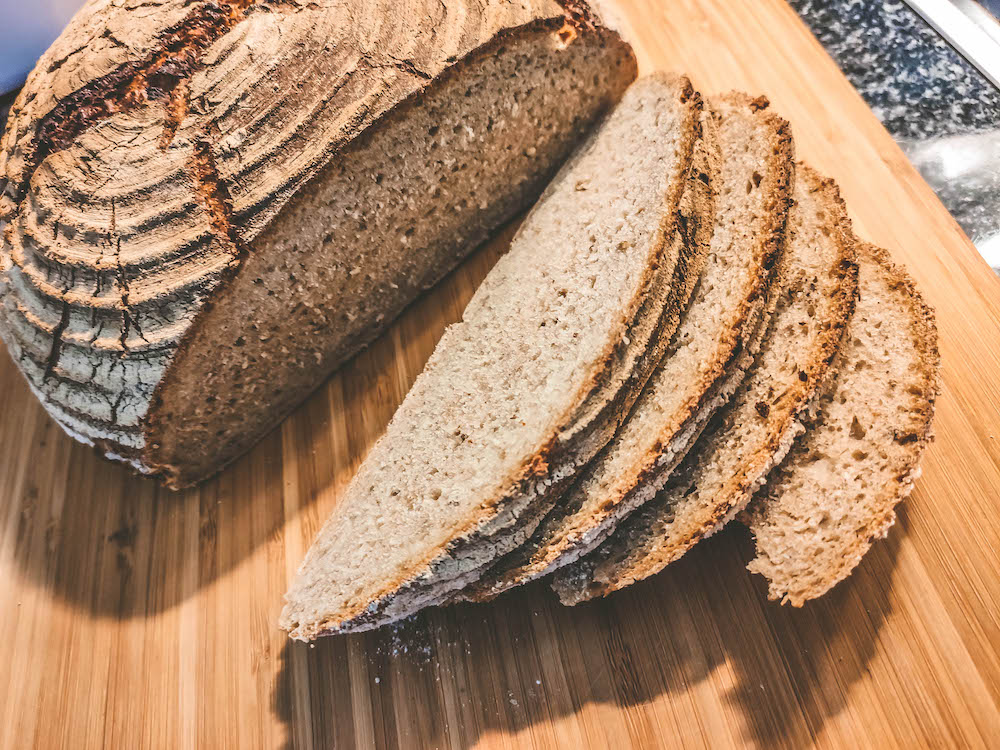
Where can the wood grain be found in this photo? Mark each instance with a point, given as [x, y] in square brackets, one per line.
[138, 618]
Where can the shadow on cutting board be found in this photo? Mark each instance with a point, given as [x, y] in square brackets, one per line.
[447, 678]
[118, 545]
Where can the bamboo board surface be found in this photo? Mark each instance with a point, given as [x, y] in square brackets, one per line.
[133, 617]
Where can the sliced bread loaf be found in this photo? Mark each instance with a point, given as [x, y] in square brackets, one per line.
[732, 457]
[528, 386]
[211, 205]
[834, 493]
[705, 362]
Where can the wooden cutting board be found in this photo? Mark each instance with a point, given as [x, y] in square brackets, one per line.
[133, 617]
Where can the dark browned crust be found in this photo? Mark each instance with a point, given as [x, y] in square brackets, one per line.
[757, 103]
[535, 558]
[579, 15]
[177, 477]
[568, 582]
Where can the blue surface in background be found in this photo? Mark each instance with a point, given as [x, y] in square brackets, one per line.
[28, 28]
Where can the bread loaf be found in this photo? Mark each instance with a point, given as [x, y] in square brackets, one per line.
[756, 429]
[519, 395]
[704, 364]
[835, 492]
[209, 205]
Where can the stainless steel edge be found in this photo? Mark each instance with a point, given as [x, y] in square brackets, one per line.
[969, 28]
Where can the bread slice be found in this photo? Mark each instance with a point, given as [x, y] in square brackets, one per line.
[528, 386]
[755, 430]
[212, 205]
[835, 492]
[653, 327]
[703, 365]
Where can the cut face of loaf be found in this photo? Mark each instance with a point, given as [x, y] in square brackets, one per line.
[734, 454]
[834, 493]
[210, 213]
[704, 364]
[528, 386]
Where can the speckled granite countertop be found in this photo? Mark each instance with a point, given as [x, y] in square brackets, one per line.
[942, 111]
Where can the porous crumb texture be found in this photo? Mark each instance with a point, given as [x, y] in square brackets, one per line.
[185, 257]
[481, 434]
[606, 397]
[745, 439]
[754, 153]
[835, 492]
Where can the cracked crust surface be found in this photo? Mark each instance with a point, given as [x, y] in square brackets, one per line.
[736, 451]
[703, 366]
[835, 492]
[153, 148]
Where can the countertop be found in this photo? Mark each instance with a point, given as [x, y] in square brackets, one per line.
[941, 110]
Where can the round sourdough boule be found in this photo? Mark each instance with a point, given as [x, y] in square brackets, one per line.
[208, 206]
[515, 399]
